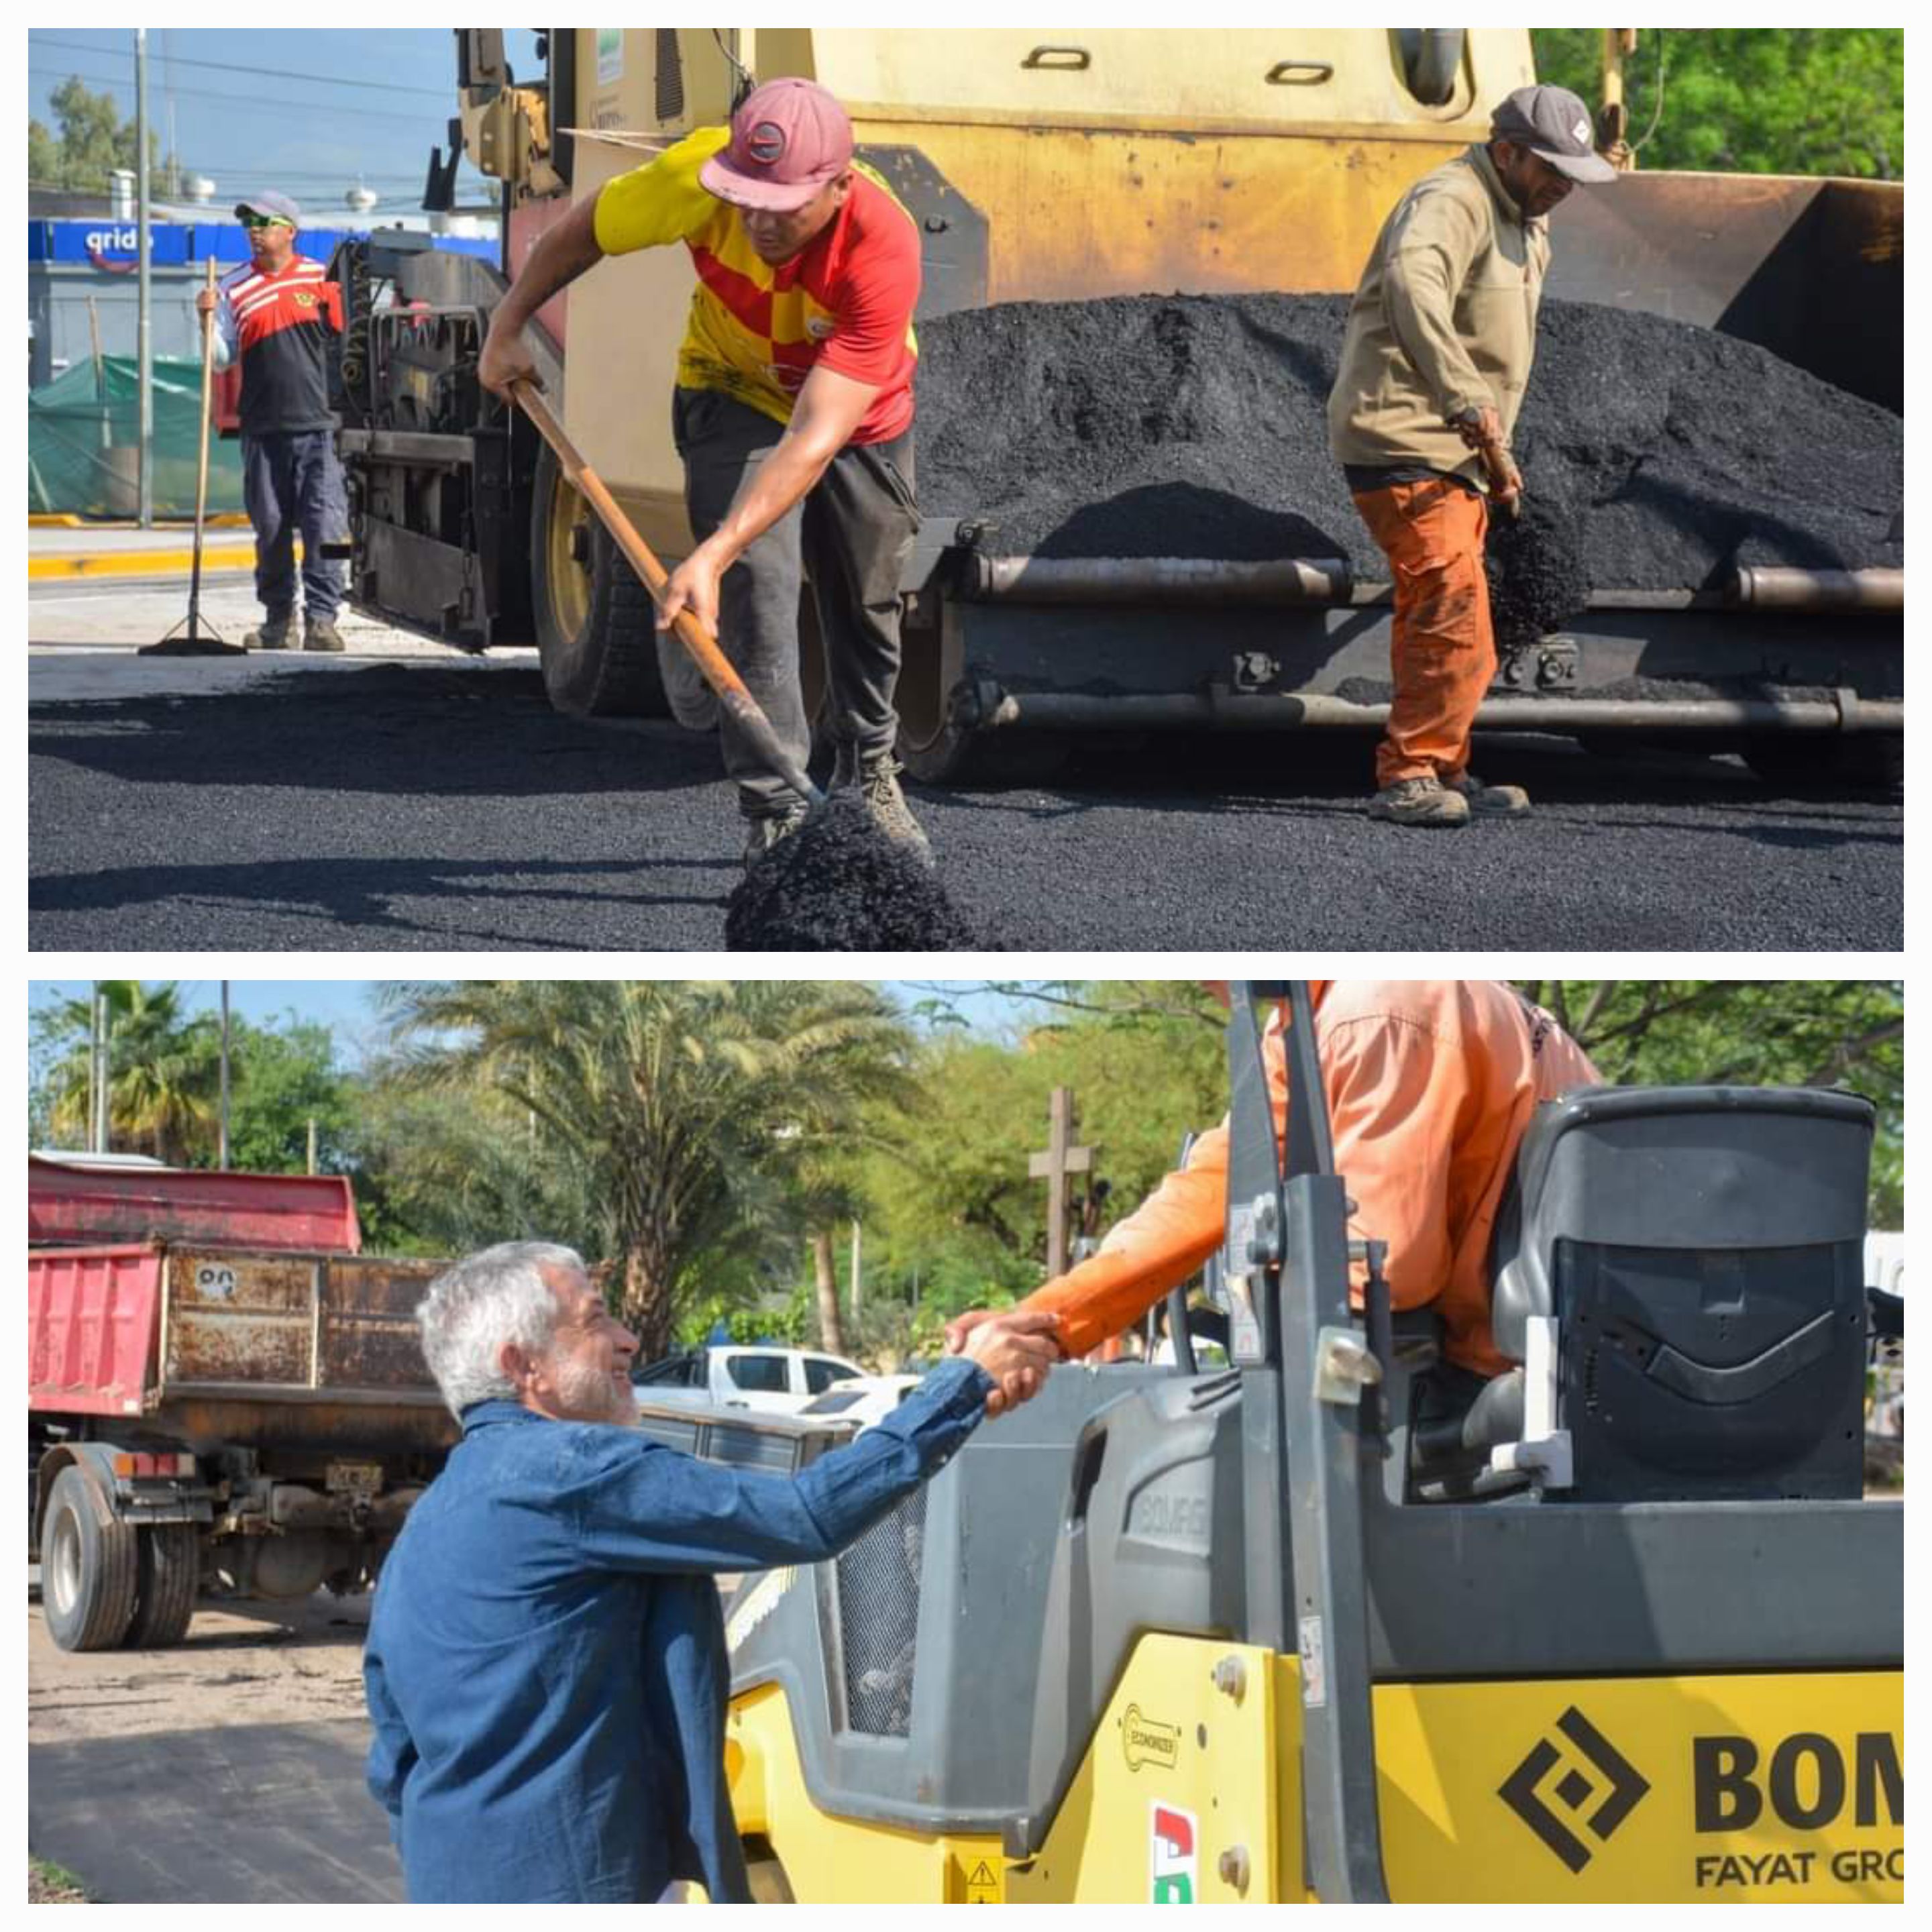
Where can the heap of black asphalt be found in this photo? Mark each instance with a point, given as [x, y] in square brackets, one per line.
[1657, 456]
[840, 885]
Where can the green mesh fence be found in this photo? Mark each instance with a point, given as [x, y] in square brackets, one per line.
[83, 434]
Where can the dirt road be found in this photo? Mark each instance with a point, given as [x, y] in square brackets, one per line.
[226, 1769]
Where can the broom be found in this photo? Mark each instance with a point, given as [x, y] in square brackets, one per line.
[199, 643]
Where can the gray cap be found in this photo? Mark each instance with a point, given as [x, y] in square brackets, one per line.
[270, 203]
[1553, 123]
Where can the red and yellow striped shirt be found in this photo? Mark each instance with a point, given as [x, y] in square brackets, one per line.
[756, 332]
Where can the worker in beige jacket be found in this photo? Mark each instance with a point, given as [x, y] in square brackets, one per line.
[1434, 363]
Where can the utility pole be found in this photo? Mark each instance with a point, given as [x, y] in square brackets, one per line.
[1055, 1166]
[144, 359]
[224, 1076]
[97, 1138]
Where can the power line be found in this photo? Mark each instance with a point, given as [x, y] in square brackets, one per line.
[245, 101]
[268, 73]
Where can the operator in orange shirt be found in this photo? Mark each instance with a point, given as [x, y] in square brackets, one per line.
[1431, 1084]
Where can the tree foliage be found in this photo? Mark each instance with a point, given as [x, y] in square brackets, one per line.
[1796, 100]
[92, 142]
[164, 1083]
[1752, 1033]
[697, 1117]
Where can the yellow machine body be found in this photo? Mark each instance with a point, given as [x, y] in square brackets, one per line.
[1671, 1790]
[1103, 161]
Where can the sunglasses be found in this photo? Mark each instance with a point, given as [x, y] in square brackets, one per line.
[264, 221]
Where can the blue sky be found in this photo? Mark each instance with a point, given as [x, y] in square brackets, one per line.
[348, 1006]
[309, 111]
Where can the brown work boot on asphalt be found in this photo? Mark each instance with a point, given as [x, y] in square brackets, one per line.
[276, 635]
[762, 834]
[877, 779]
[1420, 801]
[1489, 801]
[322, 635]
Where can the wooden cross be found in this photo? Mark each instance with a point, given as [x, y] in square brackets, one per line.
[1060, 1160]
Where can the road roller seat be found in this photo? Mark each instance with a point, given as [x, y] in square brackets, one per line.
[1677, 1273]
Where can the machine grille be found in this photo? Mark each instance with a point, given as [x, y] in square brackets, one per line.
[670, 76]
[878, 1619]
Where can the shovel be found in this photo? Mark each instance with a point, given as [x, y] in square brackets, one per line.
[712, 664]
[200, 642]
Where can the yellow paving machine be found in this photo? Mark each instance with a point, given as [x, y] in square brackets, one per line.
[1294, 1629]
[1054, 165]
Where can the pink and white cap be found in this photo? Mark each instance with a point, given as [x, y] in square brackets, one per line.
[788, 138]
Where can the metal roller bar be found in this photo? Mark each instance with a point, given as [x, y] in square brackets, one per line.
[1768, 589]
[1078, 711]
[1331, 580]
[1153, 580]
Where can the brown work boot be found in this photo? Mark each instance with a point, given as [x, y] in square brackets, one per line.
[1489, 801]
[1420, 801]
[877, 779]
[762, 834]
[276, 635]
[322, 635]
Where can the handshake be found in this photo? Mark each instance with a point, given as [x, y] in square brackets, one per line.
[1015, 1348]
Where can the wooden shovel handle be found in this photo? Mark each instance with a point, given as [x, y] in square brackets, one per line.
[712, 662]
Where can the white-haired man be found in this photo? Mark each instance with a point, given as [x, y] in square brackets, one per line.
[546, 1668]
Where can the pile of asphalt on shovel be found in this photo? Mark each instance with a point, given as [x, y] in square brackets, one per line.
[1655, 455]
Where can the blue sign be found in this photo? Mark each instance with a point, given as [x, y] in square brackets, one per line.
[112, 246]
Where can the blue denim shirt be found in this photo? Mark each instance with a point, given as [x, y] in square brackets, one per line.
[546, 1668]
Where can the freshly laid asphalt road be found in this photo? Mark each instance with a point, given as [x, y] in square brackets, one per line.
[426, 802]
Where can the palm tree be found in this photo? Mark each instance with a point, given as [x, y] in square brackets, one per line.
[695, 1112]
[163, 1069]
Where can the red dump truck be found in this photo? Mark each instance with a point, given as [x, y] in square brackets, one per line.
[225, 1397]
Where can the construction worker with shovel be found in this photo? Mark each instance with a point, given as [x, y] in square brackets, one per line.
[275, 314]
[794, 414]
[1434, 363]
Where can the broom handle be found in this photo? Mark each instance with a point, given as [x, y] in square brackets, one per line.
[712, 664]
[201, 471]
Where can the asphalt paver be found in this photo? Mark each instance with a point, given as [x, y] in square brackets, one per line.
[445, 807]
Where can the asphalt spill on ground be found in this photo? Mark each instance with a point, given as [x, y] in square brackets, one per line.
[839, 885]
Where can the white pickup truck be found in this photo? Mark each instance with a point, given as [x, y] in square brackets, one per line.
[779, 1380]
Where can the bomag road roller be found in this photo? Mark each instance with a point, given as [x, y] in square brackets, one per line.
[1051, 165]
[1295, 1630]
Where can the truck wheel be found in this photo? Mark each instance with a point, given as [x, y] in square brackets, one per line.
[595, 625]
[169, 1576]
[1871, 763]
[87, 1567]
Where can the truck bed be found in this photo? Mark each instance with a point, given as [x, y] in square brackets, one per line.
[206, 1341]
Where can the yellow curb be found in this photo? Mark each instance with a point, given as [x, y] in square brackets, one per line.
[69, 520]
[141, 563]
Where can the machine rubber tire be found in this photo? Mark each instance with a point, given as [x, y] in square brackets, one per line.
[768, 1882]
[89, 1568]
[1872, 763]
[168, 1581]
[595, 627]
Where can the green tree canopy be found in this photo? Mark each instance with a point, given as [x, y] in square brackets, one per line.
[164, 1070]
[92, 142]
[1790, 100]
[695, 1114]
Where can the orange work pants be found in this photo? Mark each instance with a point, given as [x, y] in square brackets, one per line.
[1444, 652]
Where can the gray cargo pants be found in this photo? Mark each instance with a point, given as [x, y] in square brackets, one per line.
[290, 481]
[851, 536]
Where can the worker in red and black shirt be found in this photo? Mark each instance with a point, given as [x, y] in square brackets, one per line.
[276, 313]
[793, 413]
